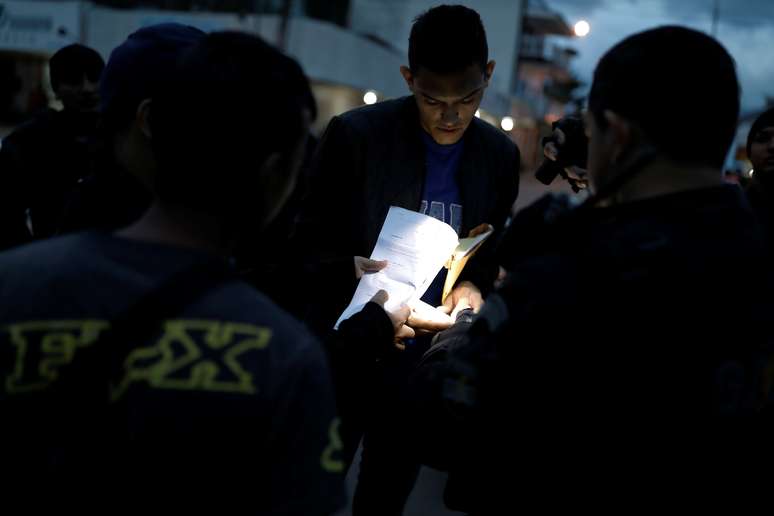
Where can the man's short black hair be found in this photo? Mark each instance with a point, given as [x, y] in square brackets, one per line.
[448, 39]
[678, 85]
[232, 101]
[70, 64]
[138, 67]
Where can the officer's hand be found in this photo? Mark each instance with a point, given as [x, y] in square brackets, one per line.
[465, 295]
[427, 319]
[480, 229]
[364, 265]
[398, 319]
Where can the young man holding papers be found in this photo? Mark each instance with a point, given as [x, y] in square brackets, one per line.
[426, 153]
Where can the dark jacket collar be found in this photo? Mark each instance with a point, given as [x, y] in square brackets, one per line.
[412, 176]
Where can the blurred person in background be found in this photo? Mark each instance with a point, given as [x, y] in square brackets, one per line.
[43, 160]
[760, 150]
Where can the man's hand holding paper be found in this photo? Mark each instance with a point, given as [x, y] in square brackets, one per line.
[415, 247]
[366, 265]
[398, 319]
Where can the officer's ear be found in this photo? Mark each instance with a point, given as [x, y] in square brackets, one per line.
[143, 118]
[408, 76]
[620, 135]
[489, 71]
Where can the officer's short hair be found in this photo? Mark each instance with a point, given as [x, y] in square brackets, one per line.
[138, 67]
[448, 39]
[679, 85]
[232, 101]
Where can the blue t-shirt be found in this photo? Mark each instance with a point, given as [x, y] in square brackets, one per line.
[441, 196]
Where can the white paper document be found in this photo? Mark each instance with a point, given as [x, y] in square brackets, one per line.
[416, 247]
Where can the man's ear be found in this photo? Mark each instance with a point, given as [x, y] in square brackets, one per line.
[405, 71]
[270, 173]
[490, 66]
[274, 186]
[143, 118]
[620, 134]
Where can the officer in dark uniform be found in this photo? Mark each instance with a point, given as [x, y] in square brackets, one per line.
[607, 342]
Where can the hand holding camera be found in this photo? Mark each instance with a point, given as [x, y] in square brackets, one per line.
[566, 154]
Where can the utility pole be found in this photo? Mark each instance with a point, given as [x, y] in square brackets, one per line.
[715, 18]
[282, 37]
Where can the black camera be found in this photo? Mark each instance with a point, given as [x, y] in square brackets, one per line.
[573, 152]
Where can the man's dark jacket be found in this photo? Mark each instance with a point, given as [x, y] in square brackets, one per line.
[372, 158]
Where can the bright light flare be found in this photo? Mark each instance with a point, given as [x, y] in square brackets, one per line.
[582, 28]
[370, 97]
[507, 123]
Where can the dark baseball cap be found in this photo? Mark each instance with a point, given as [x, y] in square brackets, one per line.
[139, 66]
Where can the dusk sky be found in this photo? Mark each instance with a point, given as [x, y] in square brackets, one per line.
[746, 28]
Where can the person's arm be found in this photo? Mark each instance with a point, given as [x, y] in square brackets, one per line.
[479, 275]
[439, 428]
[493, 366]
[14, 195]
[324, 241]
[306, 470]
[353, 352]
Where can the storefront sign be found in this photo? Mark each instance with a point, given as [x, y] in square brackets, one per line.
[39, 26]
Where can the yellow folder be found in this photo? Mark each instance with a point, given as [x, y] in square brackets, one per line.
[465, 250]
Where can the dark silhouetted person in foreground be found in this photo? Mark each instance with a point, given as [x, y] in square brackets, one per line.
[591, 377]
[134, 364]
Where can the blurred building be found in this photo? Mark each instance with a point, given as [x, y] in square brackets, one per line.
[390, 21]
[545, 86]
[347, 47]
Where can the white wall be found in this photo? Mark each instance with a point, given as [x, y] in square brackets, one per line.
[331, 54]
[326, 52]
[107, 28]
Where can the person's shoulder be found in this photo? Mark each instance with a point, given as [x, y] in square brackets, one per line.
[492, 138]
[36, 266]
[377, 116]
[42, 122]
[45, 253]
[243, 303]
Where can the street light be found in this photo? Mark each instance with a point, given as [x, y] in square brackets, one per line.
[582, 28]
[507, 123]
[370, 97]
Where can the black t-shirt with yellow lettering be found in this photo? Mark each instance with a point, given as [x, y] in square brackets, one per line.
[228, 406]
